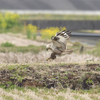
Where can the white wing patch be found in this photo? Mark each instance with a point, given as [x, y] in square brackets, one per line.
[61, 39]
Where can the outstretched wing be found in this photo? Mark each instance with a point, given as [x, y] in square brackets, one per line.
[64, 33]
[63, 36]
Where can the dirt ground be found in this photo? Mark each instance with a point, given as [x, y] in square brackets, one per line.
[18, 41]
[57, 76]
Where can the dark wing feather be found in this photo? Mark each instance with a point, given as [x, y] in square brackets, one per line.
[68, 32]
[63, 33]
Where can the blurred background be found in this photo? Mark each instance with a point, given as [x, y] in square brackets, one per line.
[27, 25]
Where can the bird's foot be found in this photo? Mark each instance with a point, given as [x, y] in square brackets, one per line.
[48, 59]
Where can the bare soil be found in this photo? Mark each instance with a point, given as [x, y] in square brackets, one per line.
[57, 76]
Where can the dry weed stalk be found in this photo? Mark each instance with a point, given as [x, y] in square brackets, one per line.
[42, 56]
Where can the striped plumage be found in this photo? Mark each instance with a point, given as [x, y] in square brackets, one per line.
[58, 45]
[63, 33]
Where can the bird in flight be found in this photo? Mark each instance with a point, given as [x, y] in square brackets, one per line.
[59, 44]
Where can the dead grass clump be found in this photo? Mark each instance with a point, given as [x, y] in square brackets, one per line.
[42, 56]
[44, 94]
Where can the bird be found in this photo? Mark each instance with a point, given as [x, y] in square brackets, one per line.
[58, 45]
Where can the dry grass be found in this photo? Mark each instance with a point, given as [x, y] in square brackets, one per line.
[45, 94]
[42, 56]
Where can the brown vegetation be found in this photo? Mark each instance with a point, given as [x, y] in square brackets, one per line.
[42, 56]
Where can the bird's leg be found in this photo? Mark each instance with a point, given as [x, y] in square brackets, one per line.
[52, 57]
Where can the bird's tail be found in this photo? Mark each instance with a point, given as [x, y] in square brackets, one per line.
[67, 52]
